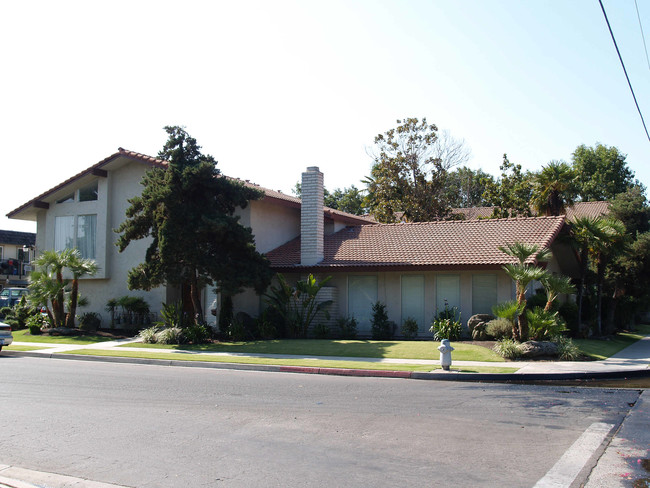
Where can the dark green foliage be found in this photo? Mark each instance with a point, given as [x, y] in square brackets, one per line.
[18, 315]
[347, 327]
[197, 333]
[4, 311]
[601, 172]
[511, 193]
[381, 328]
[543, 325]
[346, 200]
[321, 331]
[90, 321]
[225, 315]
[632, 209]
[554, 189]
[465, 187]
[537, 299]
[188, 212]
[568, 311]
[134, 311]
[35, 324]
[446, 324]
[409, 328]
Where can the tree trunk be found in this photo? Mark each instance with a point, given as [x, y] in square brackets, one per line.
[581, 288]
[73, 304]
[599, 297]
[196, 301]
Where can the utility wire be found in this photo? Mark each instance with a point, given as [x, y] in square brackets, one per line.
[645, 46]
[624, 70]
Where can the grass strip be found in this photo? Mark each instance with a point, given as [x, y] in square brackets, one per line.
[340, 348]
[607, 347]
[23, 348]
[25, 336]
[316, 363]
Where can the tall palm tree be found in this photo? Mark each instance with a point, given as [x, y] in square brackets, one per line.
[554, 189]
[523, 273]
[79, 267]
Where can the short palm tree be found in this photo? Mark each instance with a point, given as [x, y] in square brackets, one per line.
[554, 286]
[523, 273]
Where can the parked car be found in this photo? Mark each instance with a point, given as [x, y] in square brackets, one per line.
[11, 296]
[5, 335]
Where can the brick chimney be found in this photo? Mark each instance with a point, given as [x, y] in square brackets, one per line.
[311, 217]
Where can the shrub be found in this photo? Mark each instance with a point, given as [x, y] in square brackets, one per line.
[382, 329]
[90, 321]
[569, 313]
[446, 329]
[237, 331]
[499, 328]
[409, 328]
[347, 327]
[148, 335]
[35, 325]
[172, 335]
[537, 299]
[543, 325]
[267, 325]
[567, 350]
[4, 311]
[197, 334]
[508, 348]
[321, 331]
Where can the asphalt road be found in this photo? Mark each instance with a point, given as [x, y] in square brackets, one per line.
[157, 426]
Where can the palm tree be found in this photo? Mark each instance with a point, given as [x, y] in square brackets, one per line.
[523, 273]
[554, 189]
[79, 267]
[554, 286]
[48, 283]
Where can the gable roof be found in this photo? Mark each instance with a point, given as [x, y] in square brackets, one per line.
[17, 238]
[459, 244]
[578, 209]
[98, 170]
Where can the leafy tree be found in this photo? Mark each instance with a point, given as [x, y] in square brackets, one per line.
[348, 200]
[188, 212]
[465, 187]
[409, 173]
[523, 273]
[601, 172]
[511, 193]
[631, 208]
[554, 189]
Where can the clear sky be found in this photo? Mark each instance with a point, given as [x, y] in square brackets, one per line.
[271, 87]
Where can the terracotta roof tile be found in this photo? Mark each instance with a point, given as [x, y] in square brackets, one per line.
[578, 209]
[430, 244]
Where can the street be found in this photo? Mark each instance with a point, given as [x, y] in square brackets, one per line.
[158, 426]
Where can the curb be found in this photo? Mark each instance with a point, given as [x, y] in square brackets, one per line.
[439, 375]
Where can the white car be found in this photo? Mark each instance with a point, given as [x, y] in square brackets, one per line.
[5, 335]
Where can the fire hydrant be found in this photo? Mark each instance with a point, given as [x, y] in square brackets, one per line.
[445, 354]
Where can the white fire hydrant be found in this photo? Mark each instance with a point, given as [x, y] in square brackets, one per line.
[445, 354]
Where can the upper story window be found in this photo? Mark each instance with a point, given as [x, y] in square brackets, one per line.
[66, 199]
[88, 193]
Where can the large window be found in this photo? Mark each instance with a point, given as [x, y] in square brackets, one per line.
[88, 193]
[82, 236]
[413, 298]
[362, 294]
[484, 293]
[447, 292]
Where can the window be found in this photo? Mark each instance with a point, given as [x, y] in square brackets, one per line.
[84, 239]
[447, 292]
[64, 233]
[88, 193]
[413, 298]
[362, 295]
[2, 252]
[484, 293]
[66, 199]
[87, 235]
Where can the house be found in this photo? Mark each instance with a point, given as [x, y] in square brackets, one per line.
[83, 210]
[414, 268]
[16, 254]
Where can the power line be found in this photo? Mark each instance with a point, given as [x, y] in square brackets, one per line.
[638, 16]
[624, 70]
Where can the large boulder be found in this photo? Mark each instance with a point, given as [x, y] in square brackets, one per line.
[532, 349]
[479, 318]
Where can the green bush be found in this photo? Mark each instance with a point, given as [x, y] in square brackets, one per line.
[90, 321]
[172, 335]
[197, 334]
[569, 313]
[567, 350]
[347, 327]
[543, 325]
[446, 329]
[321, 331]
[499, 329]
[267, 325]
[409, 328]
[148, 335]
[381, 328]
[35, 325]
[4, 311]
[508, 348]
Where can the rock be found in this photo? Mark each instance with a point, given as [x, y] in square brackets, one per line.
[474, 320]
[479, 333]
[532, 349]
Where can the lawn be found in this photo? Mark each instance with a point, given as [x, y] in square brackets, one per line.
[24, 336]
[342, 348]
[604, 348]
[315, 363]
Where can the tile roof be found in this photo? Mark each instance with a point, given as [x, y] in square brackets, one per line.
[578, 209]
[442, 244]
[17, 238]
